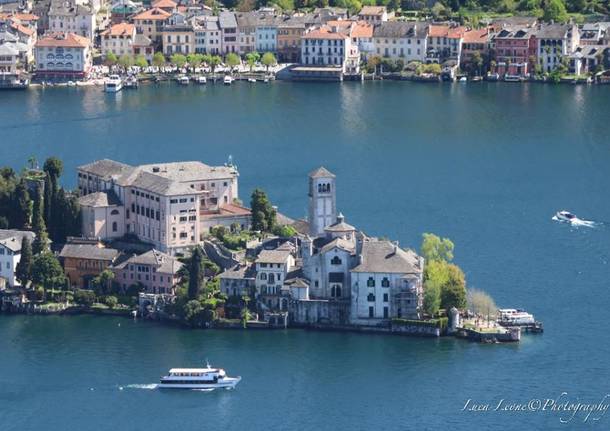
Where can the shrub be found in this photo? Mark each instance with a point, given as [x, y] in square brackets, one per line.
[84, 297]
[111, 301]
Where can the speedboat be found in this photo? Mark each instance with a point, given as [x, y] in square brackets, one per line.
[131, 82]
[183, 80]
[515, 317]
[201, 80]
[113, 84]
[227, 80]
[565, 216]
[463, 79]
[198, 378]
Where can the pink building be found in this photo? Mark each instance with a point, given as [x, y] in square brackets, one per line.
[513, 49]
[156, 271]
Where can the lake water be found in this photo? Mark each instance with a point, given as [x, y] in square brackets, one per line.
[486, 165]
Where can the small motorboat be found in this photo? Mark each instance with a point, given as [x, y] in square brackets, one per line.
[131, 82]
[198, 378]
[71, 84]
[113, 84]
[227, 80]
[201, 80]
[463, 79]
[251, 79]
[565, 216]
[183, 80]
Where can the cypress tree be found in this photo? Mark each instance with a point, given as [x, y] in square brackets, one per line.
[22, 206]
[195, 269]
[23, 271]
[41, 242]
[48, 204]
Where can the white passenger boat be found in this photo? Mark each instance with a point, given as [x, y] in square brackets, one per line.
[515, 317]
[113, 84]
[227, 80]
[198, 378]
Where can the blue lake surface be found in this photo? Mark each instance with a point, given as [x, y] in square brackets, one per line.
[486, 165]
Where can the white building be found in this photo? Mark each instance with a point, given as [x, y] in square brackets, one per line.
[62, 56]
[326, 48]
[556, 41]
[208, 37]
[373, 14]
[10, 254]
[322, 201]
[401, 40]
[8, 60]
[272, 268]
[119, 39]
[387, 283]
[165, 204]
[68, 16]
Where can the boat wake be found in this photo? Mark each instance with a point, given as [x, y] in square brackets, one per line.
[149, 386]
[571, 219]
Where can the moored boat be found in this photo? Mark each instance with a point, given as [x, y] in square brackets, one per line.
[198, 378]
[227, 80]
[113, 84]
[131, 82]
[514, 317]
[201, 80]
[183, 80]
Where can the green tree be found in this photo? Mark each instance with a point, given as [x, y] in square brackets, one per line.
[232, 60]
[195, 59]
[477, 62]
[111, 301]
[178, 60]
[432, 298]
[111, 59]
[214, 61]
[84, 297]
[46, 271]
[141, 61]
[284, 231]
[126, 61]
[23, 271]
[554, 10]
[453, 292]
[102, 282]
[434, 248]
[263, 213]
[41, 242]
[268, 60]
[158, 59]
[22, 206]
[252, 58]
[481, 304]
[195, 270]
[54, 167]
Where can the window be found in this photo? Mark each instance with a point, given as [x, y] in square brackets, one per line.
[371, 312]
[385, 297]
[370, 282]
[385, 312]
[370, 297]
[385, 282]
[335, 260]
[183, 235]
[271, 279]
[114, 212]
[263, 276]
[114, 227]
[335, 291]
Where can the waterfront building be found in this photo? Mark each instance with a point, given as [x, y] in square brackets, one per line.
[289, 33]
[62, 56]
[229, 32]
[272, 268]
[122, 10]
[143, 46]
[239, 280]
[594, 33]
[84, 261]
[553, 42]
[154, 271]
[387, 283]
[150, 23]
[401, 40]
[327, 54]
[373, 14]
[514, 47]
[246, 24]
[10, 254]
[168, 205]
[475, 40]
[178, 39]
[444, 43]
[169, 6]
[118, 39]
[266, 33]
[362, 35]
[587, 58]
[8, 61]
[70, 16]
[208, 38]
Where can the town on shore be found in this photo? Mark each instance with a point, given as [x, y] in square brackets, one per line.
[80, 42]
[173, 241]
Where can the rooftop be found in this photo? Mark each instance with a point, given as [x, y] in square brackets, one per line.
[155, 13]
[321, 172]
[386, 257]
[121, 29]
[162, 262]
[372, 10]
[12, 239]
[273, 256]
[99, 199]
[88, 251]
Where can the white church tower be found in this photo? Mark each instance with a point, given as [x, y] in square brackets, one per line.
[322, 201]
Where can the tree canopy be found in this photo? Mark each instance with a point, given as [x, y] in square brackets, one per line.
[263, 213]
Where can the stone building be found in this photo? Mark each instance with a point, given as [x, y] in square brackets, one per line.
[10, 254]
[157, 272]
[322, 200]
[82, 262]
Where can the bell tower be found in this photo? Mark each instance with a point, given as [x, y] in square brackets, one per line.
[322, 201]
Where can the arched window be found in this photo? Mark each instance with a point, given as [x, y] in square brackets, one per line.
[371, 297]
[335, 260]
[328, 187]
[114, 212]
[263, 276]
[319, 188]
[385, 282]
[335, 291]
[370, 282]
[271, 279]
[115, 227]
[50, 56]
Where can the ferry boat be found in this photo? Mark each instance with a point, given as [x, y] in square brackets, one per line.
[512, 317]
[113, 84]
[227, 80]
[198, 378]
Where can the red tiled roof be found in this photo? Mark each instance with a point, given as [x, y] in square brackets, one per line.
[23, 29]
[164, 3]
[66, 40]
[153, 14]
[372, 10]
[26, 17]
[121, 29]
[324, 33]
[362, 29]
[436, 30]
[476, 36]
